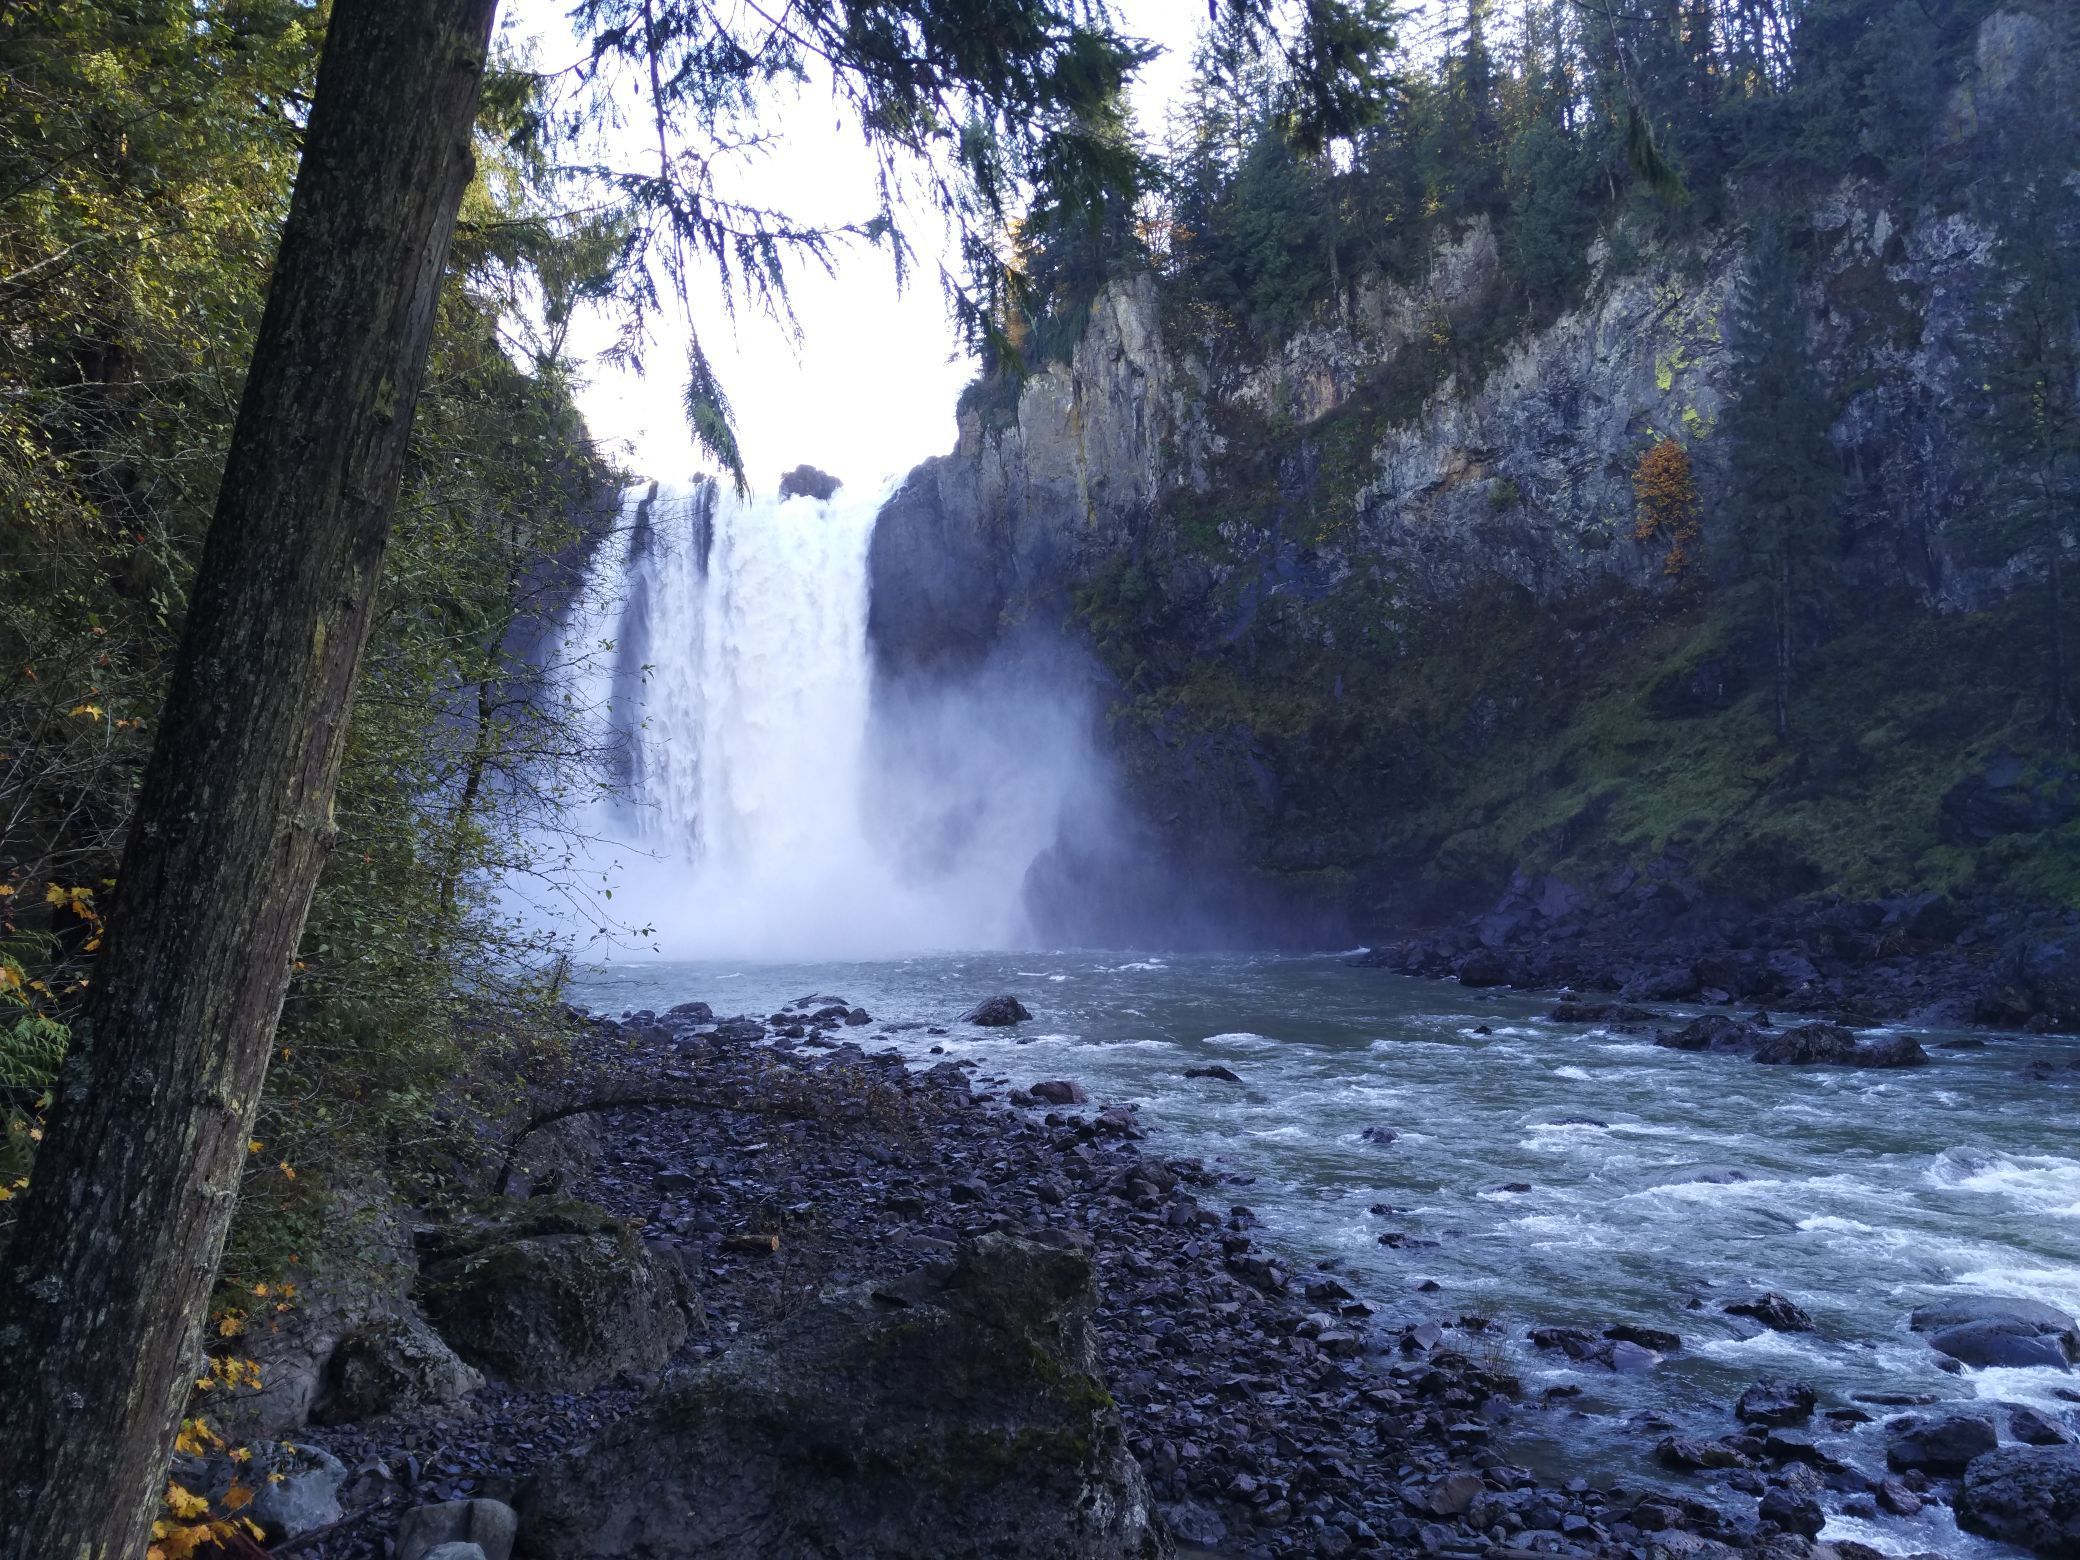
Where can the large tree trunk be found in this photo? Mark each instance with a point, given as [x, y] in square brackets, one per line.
[102, 1300]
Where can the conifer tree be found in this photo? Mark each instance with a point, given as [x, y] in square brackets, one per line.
[1783, 472]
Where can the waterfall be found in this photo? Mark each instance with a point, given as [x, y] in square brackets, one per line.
[761, 804]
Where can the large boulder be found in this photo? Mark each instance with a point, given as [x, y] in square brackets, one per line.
[997, 1013]
[2000, 1330]
[552, 1293]
[1805, 1045]
[2025, 1495]
[487, 1525]
[1710, 1032]
[1939, 1445]
[1771, 1401]
[955, 1412]
[394, 1364]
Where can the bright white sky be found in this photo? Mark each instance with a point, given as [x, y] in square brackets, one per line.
[870, 390]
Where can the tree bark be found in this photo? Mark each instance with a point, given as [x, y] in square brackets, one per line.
[103, 1298]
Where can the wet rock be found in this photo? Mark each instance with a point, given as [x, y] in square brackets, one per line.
[1660, 1340]
[490, 1525]
[1689, 1456]
[1059, 1091]
[1774, 1311]
[1216, 1071]
[1939, 1445]
[457, 1551]
[1805, 1045]
[996, 1013]
[963, 1400]
[738, 1031]
[1771, 1401]
[1379, 1135]
[552, 1293]
[1712, 1032]
[1999, 1330]
[1616, 1014]
[395, 1364]
[2027, 1496]
[1890, 1051]
[1484, 967]
[2033, 1427]
[1795, 1511]
[690, 1013]
[1896, 1498]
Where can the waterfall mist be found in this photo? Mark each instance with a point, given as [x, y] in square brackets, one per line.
[768, 801]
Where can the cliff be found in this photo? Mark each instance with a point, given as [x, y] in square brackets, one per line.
[1378, 622]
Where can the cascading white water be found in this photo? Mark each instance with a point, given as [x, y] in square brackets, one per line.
[763, 806]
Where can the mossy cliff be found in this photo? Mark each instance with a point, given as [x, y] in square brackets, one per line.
[1379, 622]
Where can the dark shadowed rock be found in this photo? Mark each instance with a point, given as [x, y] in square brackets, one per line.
[997, 1013]
[1939, 1445]
[1795, 1511]
[394, 1364]
[1712, 1032]
[2034, 1427]
[808, 482]
[552, 1293]
[2025, 1495]
[489, 1525]
[1890, 1051]
[1805, 1045]
[956, 1412]
[1060, 1091]
[1215, 1071]
[1774, 1402]
[1774, 1311]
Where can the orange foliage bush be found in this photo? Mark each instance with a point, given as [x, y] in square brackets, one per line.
[1666, 504]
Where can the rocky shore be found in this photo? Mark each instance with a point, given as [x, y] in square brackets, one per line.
[750, 1287]
[1657, 936]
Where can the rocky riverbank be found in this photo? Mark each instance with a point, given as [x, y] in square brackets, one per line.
[1658, 936]
[714, 1238]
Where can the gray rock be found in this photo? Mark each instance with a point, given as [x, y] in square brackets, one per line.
[1805, 1045]
[1774, 1311]
[2033, 1427]
[1999, 1330]
[306, 1496]
[2025, 1495]
[395, 1364]
[553, 1294]
[1059, 1091]
[489, 1525]
[957, 1412]
[456, 1552]
[1196, 1525]
[1939, 1445]
[1771, 1401]
[997, 1013]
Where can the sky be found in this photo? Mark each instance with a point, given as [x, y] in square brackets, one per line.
[869, 390]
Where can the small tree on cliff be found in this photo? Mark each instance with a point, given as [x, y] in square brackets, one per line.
[1783, 472]
[109, 1269]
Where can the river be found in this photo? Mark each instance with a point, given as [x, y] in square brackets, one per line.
[1861, 1194]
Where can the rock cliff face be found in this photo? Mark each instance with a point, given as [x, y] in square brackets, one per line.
[1375, 618]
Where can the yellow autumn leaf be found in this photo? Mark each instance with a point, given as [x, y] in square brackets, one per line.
[6, 1195]
[254, 1145]
[238, 1497]
[291, 1174]
[241, 1454]
[91, 711]
[184, 1503]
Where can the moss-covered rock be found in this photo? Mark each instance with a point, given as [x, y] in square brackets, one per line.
[551, 1293]
[957, 1412]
